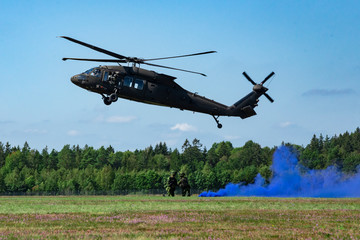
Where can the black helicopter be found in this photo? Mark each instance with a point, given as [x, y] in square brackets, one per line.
[137, 84]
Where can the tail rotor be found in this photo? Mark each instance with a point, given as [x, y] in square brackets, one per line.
[259, 88]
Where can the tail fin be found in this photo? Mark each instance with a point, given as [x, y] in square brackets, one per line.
[245, 106]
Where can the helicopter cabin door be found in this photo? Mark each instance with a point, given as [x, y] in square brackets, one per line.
[111, 78]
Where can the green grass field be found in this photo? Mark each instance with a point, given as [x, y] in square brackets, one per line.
[157, 217]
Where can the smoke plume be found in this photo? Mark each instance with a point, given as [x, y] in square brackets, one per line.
[291, 179]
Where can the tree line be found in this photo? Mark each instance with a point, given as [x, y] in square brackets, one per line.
[76, 170]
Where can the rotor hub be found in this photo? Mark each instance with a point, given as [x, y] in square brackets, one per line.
[259, 88]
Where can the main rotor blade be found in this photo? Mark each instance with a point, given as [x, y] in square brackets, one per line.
[187, 55]
[268, 97]
[267, 78]
[248, 78]
[96, 60]
[155, 65]
[95, 48]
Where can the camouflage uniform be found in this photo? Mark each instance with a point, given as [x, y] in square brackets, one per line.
[184, 184]
[171, 184]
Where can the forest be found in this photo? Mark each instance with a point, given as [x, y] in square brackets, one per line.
[76, 170]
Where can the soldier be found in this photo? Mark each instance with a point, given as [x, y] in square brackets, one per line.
[184, 184]
[171, 184]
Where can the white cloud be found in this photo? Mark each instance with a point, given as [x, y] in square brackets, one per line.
[113, 119]
[286, 124]
[99, 119]
[73, 133]
[184, 127]
[35, 131]
[229, 138]
[120, 119]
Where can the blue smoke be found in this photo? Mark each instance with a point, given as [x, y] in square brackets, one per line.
[291, 179]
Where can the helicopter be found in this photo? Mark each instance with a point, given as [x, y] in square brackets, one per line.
[141, 85]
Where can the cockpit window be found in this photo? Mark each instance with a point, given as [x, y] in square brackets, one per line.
[93, 72]
[88, 71]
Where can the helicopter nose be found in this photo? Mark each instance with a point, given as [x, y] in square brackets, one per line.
[81, 80]
[74, 79]
[78, 79]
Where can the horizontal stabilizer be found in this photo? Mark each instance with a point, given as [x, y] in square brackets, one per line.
[248, 111]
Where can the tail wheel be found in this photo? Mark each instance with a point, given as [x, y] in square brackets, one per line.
[219, 125]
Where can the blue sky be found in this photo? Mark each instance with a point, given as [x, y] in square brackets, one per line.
[312, 46]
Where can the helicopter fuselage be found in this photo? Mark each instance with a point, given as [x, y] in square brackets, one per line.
[145, 86]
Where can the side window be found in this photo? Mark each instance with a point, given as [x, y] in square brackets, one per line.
[106, 75]
[128, 81]
[119, 83]
[139, 84]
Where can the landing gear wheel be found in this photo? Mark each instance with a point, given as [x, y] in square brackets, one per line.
[219, 125]
[107, 101]
[113, 97]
